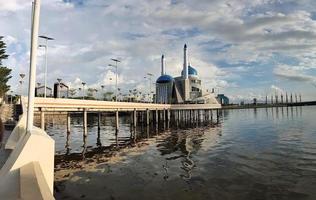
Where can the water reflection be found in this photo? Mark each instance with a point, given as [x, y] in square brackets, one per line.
[266, 153]
[101, 132]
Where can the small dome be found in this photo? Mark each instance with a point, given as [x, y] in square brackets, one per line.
[192, 71]
[164, 79]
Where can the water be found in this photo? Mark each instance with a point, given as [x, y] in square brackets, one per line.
[251, 154]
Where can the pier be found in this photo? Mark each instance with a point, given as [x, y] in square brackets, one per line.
[31, 160]
[146, 113]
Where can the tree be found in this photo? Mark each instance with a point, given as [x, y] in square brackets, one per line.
[72, 92]
[4, 71]
[108, 96]
[90, 92]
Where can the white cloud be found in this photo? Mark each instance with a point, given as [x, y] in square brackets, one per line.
[138, 32]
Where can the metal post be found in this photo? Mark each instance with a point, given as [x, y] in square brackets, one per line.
[45, 77]
[33, 57]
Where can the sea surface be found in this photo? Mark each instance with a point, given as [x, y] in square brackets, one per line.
[266, 153]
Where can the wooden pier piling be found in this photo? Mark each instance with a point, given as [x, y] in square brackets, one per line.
[68, 122]
[42, 120]
[85, 123]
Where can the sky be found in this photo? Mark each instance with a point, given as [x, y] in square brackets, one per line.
[243, 48]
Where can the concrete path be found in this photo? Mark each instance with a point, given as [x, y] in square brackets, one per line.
[4, 154]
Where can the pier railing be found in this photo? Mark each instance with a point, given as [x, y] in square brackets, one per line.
[51, 104]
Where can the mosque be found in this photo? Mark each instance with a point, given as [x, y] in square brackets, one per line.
[186, 88]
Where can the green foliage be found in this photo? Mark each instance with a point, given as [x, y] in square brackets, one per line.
[3, 47]
[4, 71]
[108, 96]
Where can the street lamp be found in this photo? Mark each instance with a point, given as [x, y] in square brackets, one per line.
[83, 84]
[46, 47]
[116, 61]
[96, 94]
[21, 83]
[11, 96]
[59, 80]
[102, 93]
[149, 77]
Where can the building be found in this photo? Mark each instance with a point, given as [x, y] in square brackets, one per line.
[186, 88]
[40, 91]
[222, 99]
[61, 90]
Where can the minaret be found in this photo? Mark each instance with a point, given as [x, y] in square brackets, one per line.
[276, 99]
[271, 99]
[163, 72]
[185, 75]
[266, 99]
[185, 63]
[282, 98]
[286, 98]
[291, 98]
[295, 98]
[300, 98]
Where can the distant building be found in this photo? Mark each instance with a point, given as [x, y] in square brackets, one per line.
[186, 88]
[40, 91]
[222, 99]
[61, 90]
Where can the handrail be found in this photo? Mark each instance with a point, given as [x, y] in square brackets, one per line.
[19, 130]
[28, 147]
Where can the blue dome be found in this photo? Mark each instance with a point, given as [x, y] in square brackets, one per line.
[192, 71]
[164, 79]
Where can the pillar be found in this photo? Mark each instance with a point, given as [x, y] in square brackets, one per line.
[117, 120]
[42, 120]
[99, 121]
[156, 117]
[85, 123]
[135, 117]
[147, 117]
[212, 116]
[68, 122]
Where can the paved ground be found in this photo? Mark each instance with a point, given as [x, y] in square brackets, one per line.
[4, 154]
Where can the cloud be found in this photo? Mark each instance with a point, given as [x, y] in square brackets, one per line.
[276, 89]
[243, 34]
[287, 72]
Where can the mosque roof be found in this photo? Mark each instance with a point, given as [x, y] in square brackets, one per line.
[164, 79]
[192, 71]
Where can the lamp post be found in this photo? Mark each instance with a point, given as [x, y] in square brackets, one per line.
[11, 95]
[21, 83]
[79, 92]
[102, 93]
[46, 50]
[33, 61]
[83, 84]
[96, 94]
[59, 80]
[150, 75]
[116, 61]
